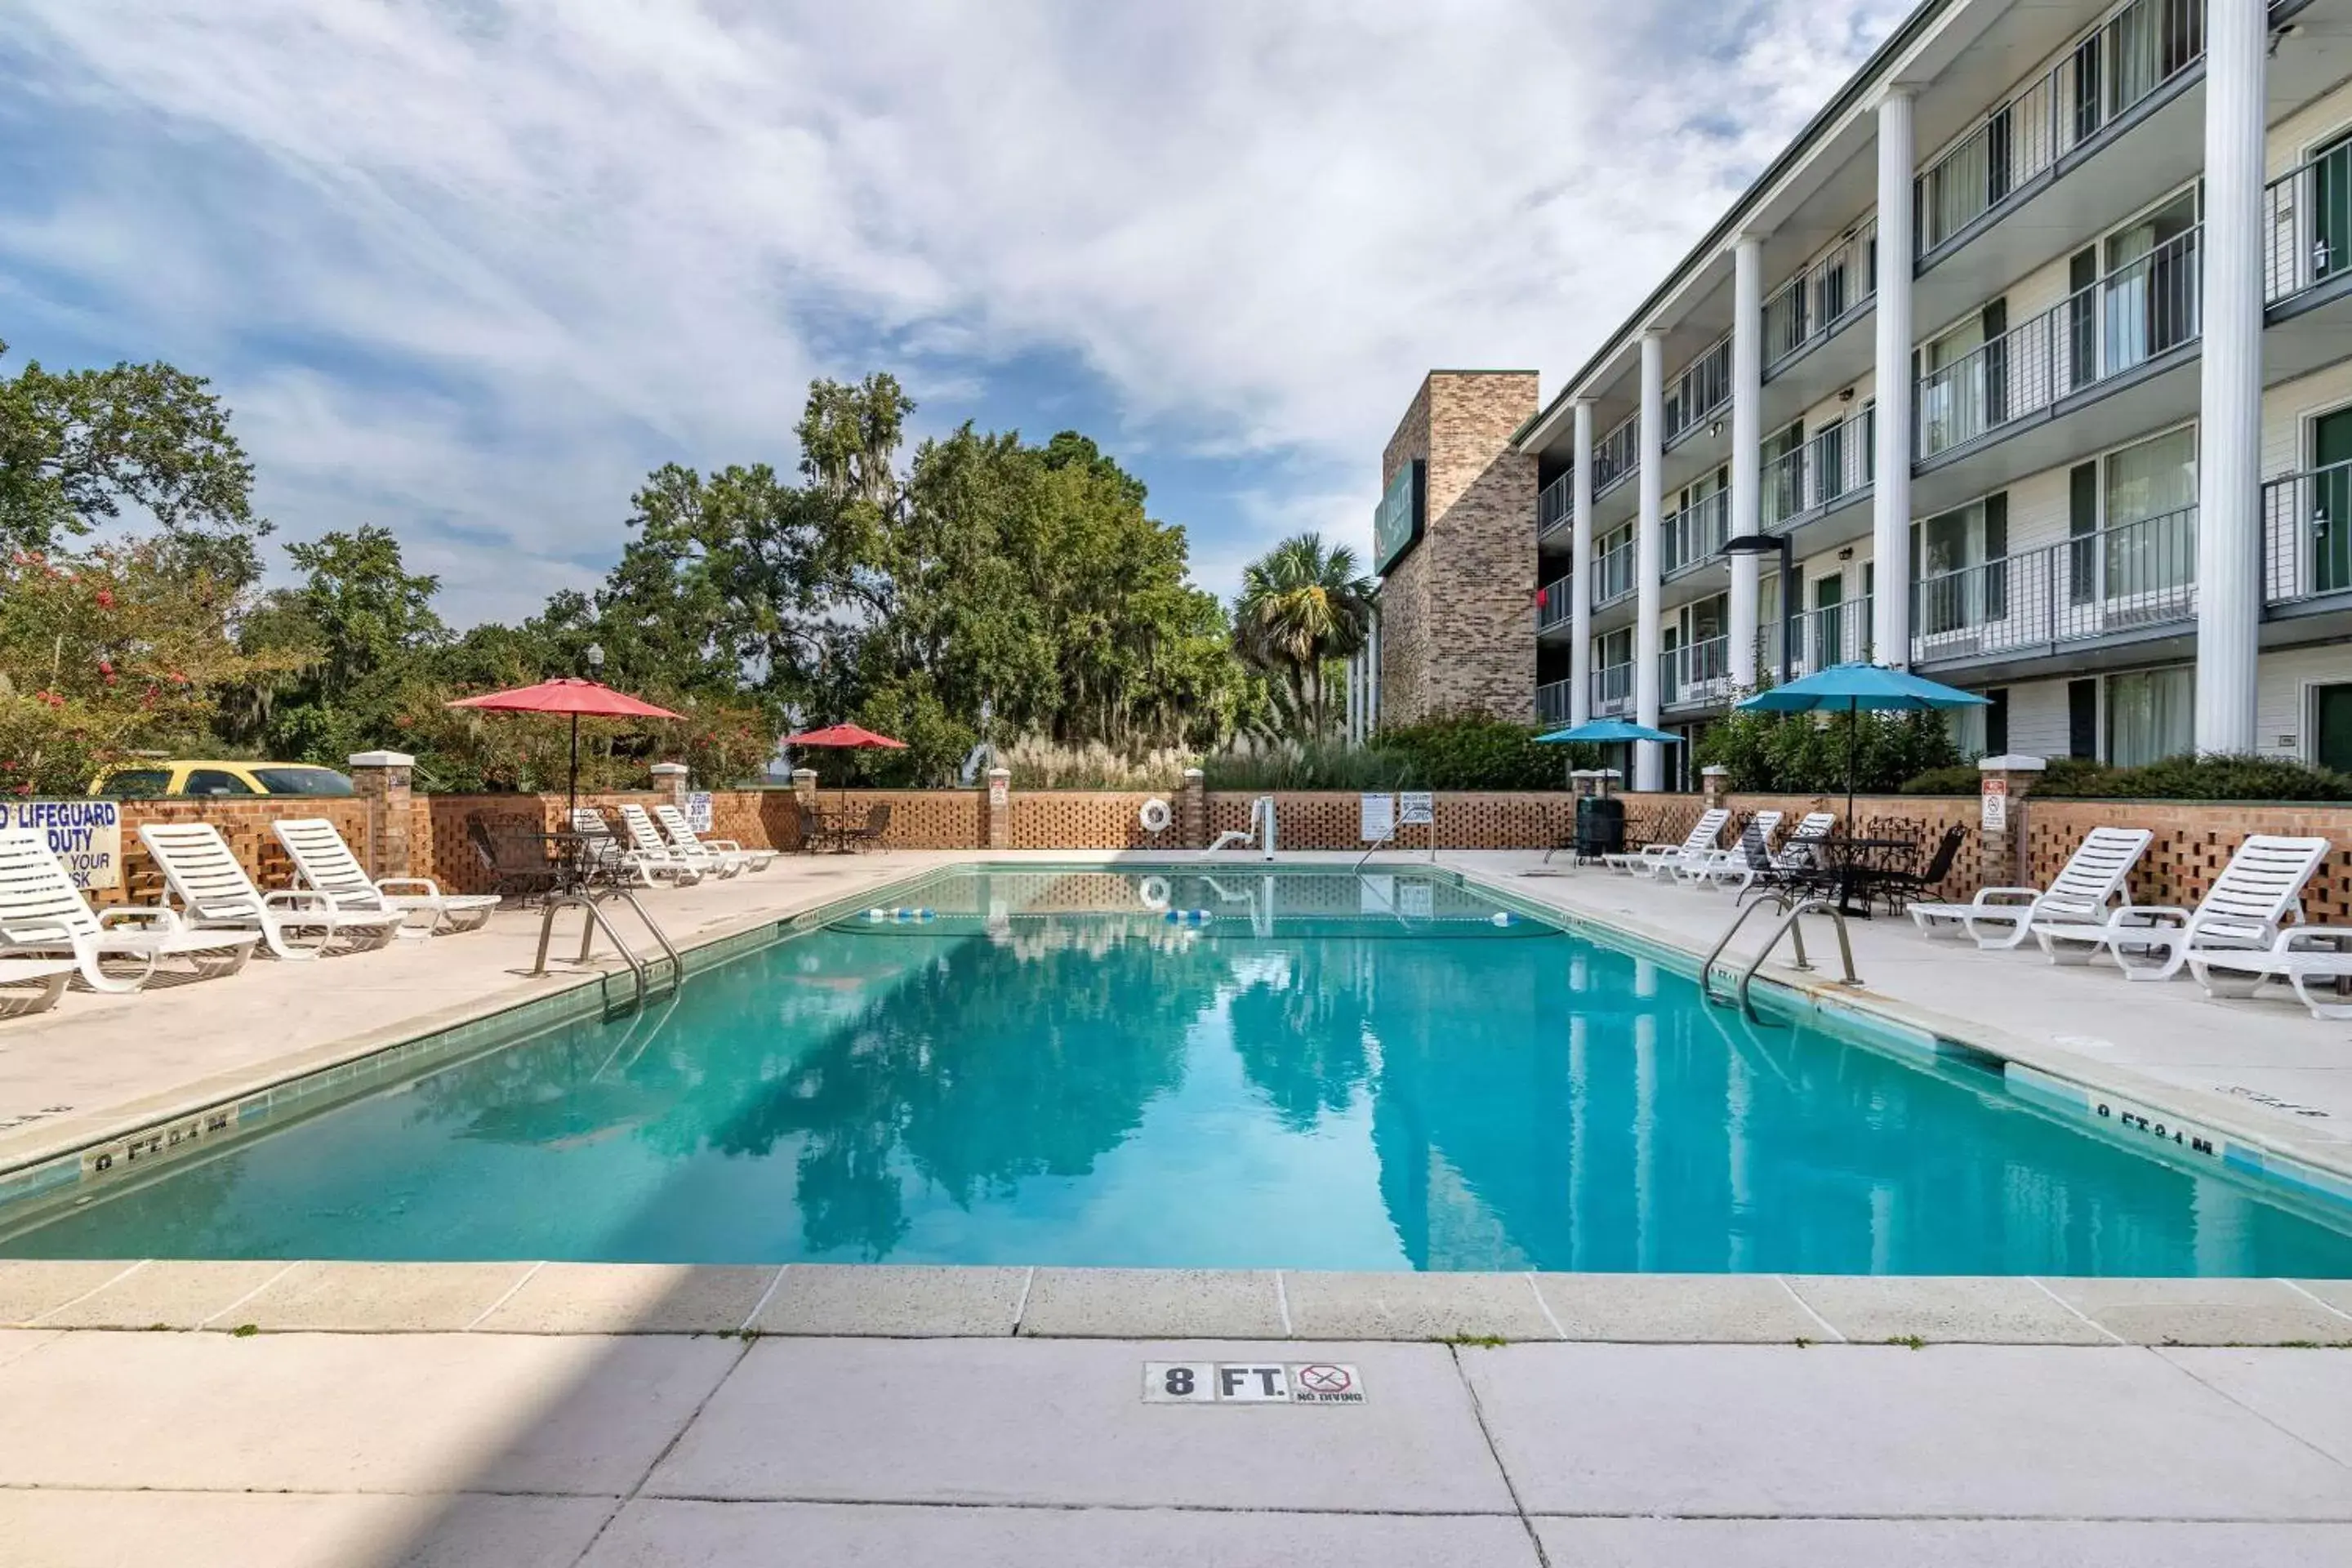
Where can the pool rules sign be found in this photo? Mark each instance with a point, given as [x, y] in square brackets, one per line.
[85, 834]
[1251, 1382]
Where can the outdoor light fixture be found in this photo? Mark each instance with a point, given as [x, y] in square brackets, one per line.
[595, 656]
[1775, 544]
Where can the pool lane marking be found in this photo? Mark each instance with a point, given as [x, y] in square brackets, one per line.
[2323, 1304]
[761, 1304]
[2113, 1338]
[1282, 1301]
[528, 1275]
[1021, 1308]
[1807, 1307]
[1545, 1307]
[249, 1295]
[78, 1301]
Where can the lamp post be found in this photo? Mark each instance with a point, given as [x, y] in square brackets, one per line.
[1771, 544]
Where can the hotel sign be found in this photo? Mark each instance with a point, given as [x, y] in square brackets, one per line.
[1398, 520]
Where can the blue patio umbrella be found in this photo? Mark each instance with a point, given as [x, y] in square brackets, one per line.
[1851, 688]
[1603, 731]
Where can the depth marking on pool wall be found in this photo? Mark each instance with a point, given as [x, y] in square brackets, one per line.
[1252, 1382]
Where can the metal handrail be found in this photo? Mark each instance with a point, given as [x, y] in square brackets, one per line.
[597, 921]
[1788, 928]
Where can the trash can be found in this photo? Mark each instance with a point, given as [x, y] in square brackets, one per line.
[1600, 827]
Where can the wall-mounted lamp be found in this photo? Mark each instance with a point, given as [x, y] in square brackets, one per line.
[1771, 544]
[1847, 396]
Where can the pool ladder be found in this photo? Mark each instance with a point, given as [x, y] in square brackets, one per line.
[640, 969]
[1788, 926]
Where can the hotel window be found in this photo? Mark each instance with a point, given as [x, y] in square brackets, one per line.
[1959, 560]
[2148, 497]
[2151, 715]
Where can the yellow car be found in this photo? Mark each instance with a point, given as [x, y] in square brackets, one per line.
[150, 779]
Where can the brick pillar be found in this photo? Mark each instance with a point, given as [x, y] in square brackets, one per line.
[1000, 808]
[1714, 785]
[669, 781]
[1192, 810]
[2003, 784]
[381, 780]
[803, 801]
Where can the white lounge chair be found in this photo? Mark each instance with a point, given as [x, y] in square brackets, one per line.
[1756, 836]
[608, 852]
[2259, 893]
[52, 973]
[43, 914]
[215, 894]
[646, 843]
[1651, 858]
[2299, 959]
[324, 864]
[2093, 878]
[683, 838]
[1753, 865]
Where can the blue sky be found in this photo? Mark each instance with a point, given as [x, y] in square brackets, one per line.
[470, 268]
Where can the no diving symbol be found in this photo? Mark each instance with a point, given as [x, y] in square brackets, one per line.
[1324, 1379]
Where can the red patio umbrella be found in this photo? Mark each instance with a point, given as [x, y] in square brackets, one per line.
[847, 738]
[574, 695]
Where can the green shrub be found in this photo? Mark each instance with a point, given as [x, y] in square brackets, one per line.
[1464, 751]
[2209, 778]
[1960, 778]
[1805, 754]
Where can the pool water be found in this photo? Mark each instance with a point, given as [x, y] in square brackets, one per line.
[1304, 1069]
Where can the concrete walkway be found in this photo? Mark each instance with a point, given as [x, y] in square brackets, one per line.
[523, 1449]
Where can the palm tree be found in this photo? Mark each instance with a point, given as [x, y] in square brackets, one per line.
[1301, 606]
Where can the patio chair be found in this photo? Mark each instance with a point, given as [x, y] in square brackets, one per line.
[2300, 959]
[215, 894]
[2095, 876]
[2259, 893]
[325, 863]
[51, 973]
[877, 825]
[683, 837]
[513, 852]
[1757, 867]
[1651, 858]
[647, 845]
[43, 914]
[1756, 832]
[609, 858]
[1900, 886]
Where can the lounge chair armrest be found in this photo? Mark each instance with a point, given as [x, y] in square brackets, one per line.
[128, 914]
[2147, 915]
[729, 845]
[432, 888]
[299, 897]
[1994, 896]
[2308, 939]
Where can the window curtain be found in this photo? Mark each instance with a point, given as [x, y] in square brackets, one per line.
[2151, 715]
[2151, 532]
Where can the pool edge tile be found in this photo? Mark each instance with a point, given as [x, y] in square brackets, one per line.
[892, 1301]
[1153, 1304]
[2216, 1310]
[1401, 1306]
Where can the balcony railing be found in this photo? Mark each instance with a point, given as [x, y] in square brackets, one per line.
[1552, 609]
[2136, 51]
[2123, 579]
[1836, 634]
[2141, 310]
[1816, 301]
[1838, 462]
[1556, 504]
[1696, 674]
[1612, 691]
[1704, 386]
[1613, 574]
[1615, 455]
[1695, 535]
[2307, 226]
[2307, 534]
[1551, 703]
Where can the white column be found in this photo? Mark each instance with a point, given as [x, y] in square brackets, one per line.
[1648, 769]
[1580, 581]
[1747, 445]
[1890, 529]
[2229, 377]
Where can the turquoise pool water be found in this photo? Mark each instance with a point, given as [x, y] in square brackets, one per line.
[1320, 1072]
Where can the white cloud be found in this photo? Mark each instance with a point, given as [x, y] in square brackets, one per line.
[476, 266]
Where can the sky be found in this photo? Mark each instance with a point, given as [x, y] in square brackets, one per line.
[470, 268]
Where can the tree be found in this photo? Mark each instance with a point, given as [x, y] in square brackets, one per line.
[1302, 607]
[76, 449]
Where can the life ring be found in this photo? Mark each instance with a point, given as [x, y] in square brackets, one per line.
[1153, 891]
[1155, 815]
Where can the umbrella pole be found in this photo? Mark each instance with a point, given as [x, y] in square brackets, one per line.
[1853, 734]
[572, 779]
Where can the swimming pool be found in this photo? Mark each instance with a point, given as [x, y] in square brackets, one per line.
[1300, 1069]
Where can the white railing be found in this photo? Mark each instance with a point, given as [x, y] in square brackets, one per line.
[1553, 606]
[2307, 534]
[1556, 504]
[1703, 387]
[1696, 674]
[2144, 308]
[1612, 691]
[2307, 226]
[1839, 633]
[1551, 702]
[1695, 535]
[2136, 51]
[1816, 301]
[1614, 455]
[1613, 574]
[2123, 579]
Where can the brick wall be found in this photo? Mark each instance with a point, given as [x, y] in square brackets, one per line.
[1090, 820]
[244, 824]
[2192, 844]
[1457, 611]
